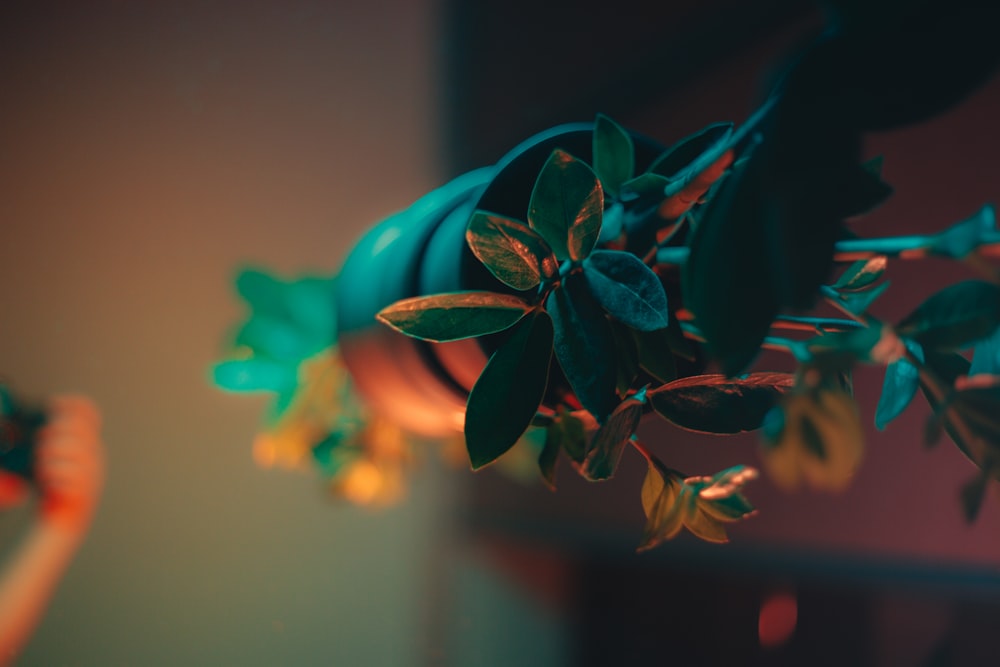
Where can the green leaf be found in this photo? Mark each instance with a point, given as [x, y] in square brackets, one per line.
[899, 387]
[973, 493]
[662, 504]
[683, 154]
[453, 315]
[862, 343]
[583, 337]
[858, 303]
[507, 394]
[874, 165]
[816, 437]
[986, 356]
[728, 279]
[310, 305]
[861, 274]
[627, 289]
[646, 185]
[656, 355]
[610, 440]
[979, 407]
[261, 291]
[962, 238]
[510, 250]
[274, 338]
[244, 375]
[861, 192]
[549, 456]
[956, 316]
[718, 404]
[614, 154]
[612, 223]
[626, 357]
[570, 434]
[566, 206]
[702, 524]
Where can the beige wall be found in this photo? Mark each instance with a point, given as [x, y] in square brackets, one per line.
[147, 150]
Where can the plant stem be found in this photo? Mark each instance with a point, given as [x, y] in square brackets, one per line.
[849, 250]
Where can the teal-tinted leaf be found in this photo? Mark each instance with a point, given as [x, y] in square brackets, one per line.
[860, 343]
[614, 154]
[861, 274]
[859, 302]
[686, 151]
[645, 185]
[729, 509]
[274, 338]
[719, 404]
[310, 304]
[874, 165]
[627, 289]
[569, 432]
[507, 394]
[613, 223]
[960, 239]
[610, 440]
[899, 387]
[956, 316]
[656, 355]
[583, 336]
[986, 356]
[254, 375]
[728, 278]
[510, 250]
[261, 291]
[453, 315]
[566, 207]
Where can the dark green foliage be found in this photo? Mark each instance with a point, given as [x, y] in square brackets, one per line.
[606, 448]
[614, 154]
[682, 157]
[702, 504]
[902, 379]
[566, 206]
[453, 316]
[568, 432]
[548, 458]
[583, 336]
[627, 289]
[730, 264]
[656, 354]
[962, 238]
[719, 404]
[509, 390]
[861, 275]
[957, 316]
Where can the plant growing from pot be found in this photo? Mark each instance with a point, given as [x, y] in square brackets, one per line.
[592, 277]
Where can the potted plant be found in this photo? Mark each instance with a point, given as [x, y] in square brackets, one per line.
[592, 277]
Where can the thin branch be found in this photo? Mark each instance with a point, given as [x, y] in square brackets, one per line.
[849, 250]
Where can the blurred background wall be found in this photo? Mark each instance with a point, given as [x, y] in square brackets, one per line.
[146, 151]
